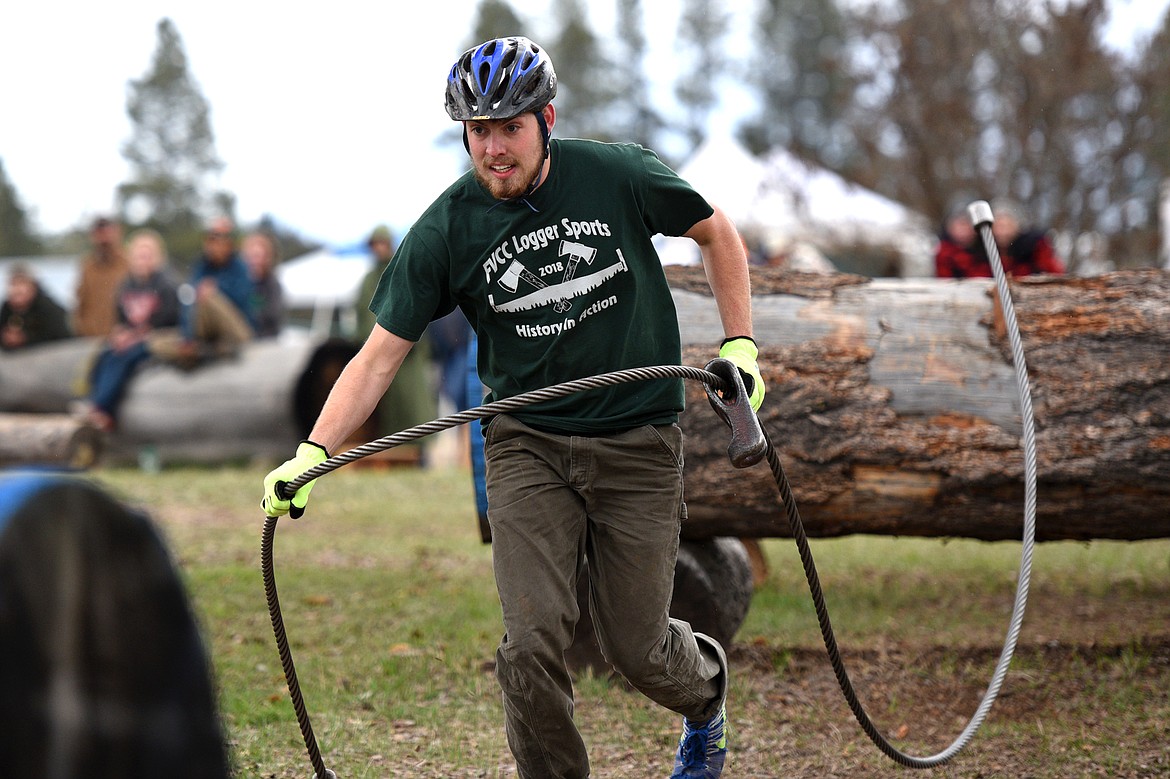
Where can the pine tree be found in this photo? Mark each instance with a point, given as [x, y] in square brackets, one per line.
[16, 238]
[172, 149]
[496, 19]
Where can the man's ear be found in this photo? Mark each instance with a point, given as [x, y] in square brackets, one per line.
[550, 116]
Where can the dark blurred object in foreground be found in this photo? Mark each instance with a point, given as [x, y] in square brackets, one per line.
[104, 672]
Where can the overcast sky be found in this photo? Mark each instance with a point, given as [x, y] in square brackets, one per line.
[326, 115]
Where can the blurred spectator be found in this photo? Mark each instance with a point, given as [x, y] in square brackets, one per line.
[381, 246]
[957, 256]
[960, 253]
[102, 270]
[148, 311]
[1024, 251]
[450, 338]
[412, 398]
[220, 271]
[794, 255]
[267, 307]
[215, 317]
[105, 673]
[28, 316]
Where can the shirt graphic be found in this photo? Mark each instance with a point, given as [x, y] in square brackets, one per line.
[535, 292]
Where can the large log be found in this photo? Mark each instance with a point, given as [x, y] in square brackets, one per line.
[891, 402]
[44, 379]
[893, 407]
[258, 404]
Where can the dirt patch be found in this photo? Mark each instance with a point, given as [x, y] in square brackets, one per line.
[1064, 710]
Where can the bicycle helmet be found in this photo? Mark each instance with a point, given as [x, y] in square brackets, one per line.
[500, 79]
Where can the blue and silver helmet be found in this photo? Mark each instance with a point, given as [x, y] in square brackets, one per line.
[500, 79]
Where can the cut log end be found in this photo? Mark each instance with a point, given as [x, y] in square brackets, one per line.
[52, 440]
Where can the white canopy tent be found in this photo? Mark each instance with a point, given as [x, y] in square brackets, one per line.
[782, 200]
[325, 281]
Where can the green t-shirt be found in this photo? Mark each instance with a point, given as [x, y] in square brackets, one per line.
[561, 285]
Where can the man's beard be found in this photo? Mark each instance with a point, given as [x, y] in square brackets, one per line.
[515, 186]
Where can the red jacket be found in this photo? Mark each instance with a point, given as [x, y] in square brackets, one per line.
[1029, 253]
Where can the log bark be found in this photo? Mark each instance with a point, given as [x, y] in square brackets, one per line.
[893, 407]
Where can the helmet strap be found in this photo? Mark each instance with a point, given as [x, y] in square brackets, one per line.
[544, 133]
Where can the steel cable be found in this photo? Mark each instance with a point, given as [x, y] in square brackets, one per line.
[786, 499]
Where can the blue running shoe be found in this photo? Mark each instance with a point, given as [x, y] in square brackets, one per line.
[702, 749]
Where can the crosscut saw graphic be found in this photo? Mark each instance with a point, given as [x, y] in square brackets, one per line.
[561, 293]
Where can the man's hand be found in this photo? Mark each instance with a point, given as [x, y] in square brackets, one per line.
[742, 352]
[308, 455]
[207, 287]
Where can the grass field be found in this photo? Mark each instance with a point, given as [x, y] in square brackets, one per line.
[392, 616]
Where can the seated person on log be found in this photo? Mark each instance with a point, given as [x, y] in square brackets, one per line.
[147, 304]
[215, 317]
[101, 272]
[268, 310]
[28, 316]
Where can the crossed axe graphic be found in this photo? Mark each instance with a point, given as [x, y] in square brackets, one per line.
[577, 252]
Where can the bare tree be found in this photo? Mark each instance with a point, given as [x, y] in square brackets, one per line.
[1002, 98]
[935, 103]
[1147, 166]
[914, 111]
[702, 30]
[799, 69]
[639, 121]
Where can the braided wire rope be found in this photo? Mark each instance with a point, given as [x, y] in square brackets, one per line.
[503, 407]
[397, 439]
[286, 659]
[786, 499]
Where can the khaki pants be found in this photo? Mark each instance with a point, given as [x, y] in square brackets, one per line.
[617, 500]
[219, 330]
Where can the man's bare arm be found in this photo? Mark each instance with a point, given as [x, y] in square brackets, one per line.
[725, 262]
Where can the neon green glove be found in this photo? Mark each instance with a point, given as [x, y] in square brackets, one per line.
[742, 352]
[308, 455]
